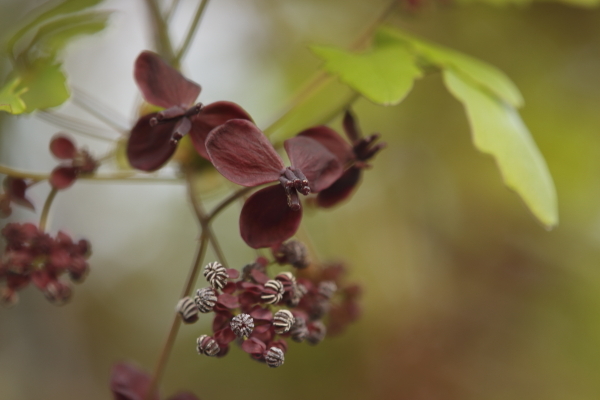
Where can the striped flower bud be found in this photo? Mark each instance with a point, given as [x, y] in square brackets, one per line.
[207, 346]
[273, 292]
[242, 325]
[293, 252]
[287, 279]
[283, 321]
[327, 289]
[205, 299]
[187, 310]
[216, 275]
[316, 333]
[274, 357]
[299, 331]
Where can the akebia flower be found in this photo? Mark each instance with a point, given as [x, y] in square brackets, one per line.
[14, 192]
[353, 156]
[155, 136]
[242, 153]
[76, 162]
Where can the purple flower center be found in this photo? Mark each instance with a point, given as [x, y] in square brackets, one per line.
[180, 114]
[294, 181]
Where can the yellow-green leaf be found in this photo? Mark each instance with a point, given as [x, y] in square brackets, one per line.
[10, 100]
[384, 74]
[484, 74]
[498, 130]
[46, 85]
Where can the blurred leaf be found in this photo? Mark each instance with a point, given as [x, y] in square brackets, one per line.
[121, 155]
[498, 130]
[45, 84]
[54, 36]
[10, 100]
[484, 74]
[579, 3]
[64, 7]
[384, 74]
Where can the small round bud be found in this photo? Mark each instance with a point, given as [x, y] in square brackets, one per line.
[327, 289]
[293, 252]
[216, 275]
[207, 346]
[242, 325]
[287, 279]
[299, 331]
[283, 321]
[205, 299]
[316, 333]
[274, 357]
[273, 292]
[187, 310]
[57, 292]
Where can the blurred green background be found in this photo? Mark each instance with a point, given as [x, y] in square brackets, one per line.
[466, 295]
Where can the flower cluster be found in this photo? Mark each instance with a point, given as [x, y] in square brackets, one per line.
[32, 255]
[261, 313]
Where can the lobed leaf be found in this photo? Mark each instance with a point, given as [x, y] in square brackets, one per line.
[45, 85]
[498, 130]
[384, 75]
[484, 74]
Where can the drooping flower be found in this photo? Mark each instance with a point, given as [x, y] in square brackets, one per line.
[14, 192]
[353, 156]
[243, 154]
[155, 136]
[76, 162]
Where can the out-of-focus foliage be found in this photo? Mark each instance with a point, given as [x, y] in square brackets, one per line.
[385, 75]
[578, 3]
[35, 54]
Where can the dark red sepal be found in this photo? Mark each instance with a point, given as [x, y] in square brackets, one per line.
[161, 84]
[340, 189]
[15, 188]
[63, 177]
[253, 346]
[62, 147]
[233, 273]
[266, 220]
[319, 165]
[210, 117]
[224, 336]
[228, 301]
[150, 147]
[332, 141]
[259, 313]
[127, 382]
[243, 154]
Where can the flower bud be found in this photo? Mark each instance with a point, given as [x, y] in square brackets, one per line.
[273, 292]
[283, 321]
[316, 333]
[327, 289]
[205, 299]
[187, 310]
[207, 345]
[299, 331]
[216, 275]
[242, 325]
[274, 357]
[293, 252]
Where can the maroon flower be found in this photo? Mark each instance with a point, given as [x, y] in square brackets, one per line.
[154, 137]
[354, 157]
[242, 153]
[77, 162]
[128, 382]
[14, 192]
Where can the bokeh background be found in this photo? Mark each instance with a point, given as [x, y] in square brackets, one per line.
[466, 296]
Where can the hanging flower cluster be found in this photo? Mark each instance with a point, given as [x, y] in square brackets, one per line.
[262, 313]
[32, 255]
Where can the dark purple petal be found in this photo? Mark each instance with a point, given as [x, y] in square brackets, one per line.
[184, 396]
[332, 141]
[150, 147]
[228, 301]
[224, 336]
[63, 177]
[340, 189]
[233, 273]
[350, 127]
[127, 382]
[16, 188]
[318, 164]
[243, 154]
[266, 220]
[259, 276]
[161, 84]
[62, 147]
[253, 346]
[259, 313]
[210, 117]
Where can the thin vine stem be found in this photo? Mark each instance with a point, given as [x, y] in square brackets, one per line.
[163, 358]
[46, 209]
[228, 200]
[191, 31]
[161, 33]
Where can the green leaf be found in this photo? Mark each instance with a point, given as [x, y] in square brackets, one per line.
[45, 83]
[10, 100]
[62, 8]
[480, 72]
[498, 130]
[383, 75]
[54, 36]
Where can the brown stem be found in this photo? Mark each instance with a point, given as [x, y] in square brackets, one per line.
[161, 33]
[191, 31]
[46, 209]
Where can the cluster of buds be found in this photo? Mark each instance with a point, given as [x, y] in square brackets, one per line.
[33, 255]
[261, 313]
